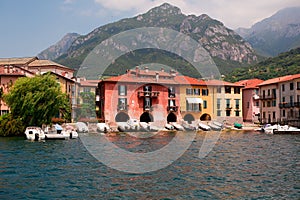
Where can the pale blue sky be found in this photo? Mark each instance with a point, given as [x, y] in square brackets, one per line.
[30, 26]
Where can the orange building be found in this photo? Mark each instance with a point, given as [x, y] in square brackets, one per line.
[140, 94]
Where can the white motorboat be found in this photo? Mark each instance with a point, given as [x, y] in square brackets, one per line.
[204, 127]
[169, 127]
[177, 126]
[278, 129]
[214, 126]
[102, 127]
[34, 133]
[82, 127]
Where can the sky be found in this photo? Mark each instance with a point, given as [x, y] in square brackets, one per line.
[30, 26]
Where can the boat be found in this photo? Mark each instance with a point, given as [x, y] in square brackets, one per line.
[134, 124]
[123, 126]
[204, 127]
[61, 134]
[237, 125]
[177, 126]
[82, 127]
[144, 126]
[188, 127]
[218, 124]
[169, 127]
[278, 129]
[102, 127]
[214, 126]
[34, 133]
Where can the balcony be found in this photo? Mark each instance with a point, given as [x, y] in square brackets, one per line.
[122, 108]
[228, 107]
[255, 97]
[147, 94]
[266, 97]
[148, 108]
[172, 108]
[289, 105]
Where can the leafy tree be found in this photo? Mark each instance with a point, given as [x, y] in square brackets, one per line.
[36, 100]
[11, 126]
[88, 105]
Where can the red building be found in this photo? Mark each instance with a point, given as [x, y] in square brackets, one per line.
[139, 94]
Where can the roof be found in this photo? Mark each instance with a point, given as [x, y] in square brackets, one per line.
[280, 79]
[41, 63]
[17, 61]
[89, 83]
[129, 78]
[250, 83]
[221, 83]
[14, 71]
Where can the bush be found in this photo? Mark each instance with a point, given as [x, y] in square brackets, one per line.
[10, 126]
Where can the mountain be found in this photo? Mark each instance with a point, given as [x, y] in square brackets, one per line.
[284, 64]
[59, 48]
[276, 34]
[227, 48]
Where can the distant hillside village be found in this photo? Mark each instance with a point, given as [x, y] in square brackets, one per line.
[165, 96]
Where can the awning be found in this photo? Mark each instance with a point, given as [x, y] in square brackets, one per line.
[194, 100]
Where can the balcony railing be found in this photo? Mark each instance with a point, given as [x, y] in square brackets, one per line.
[265, 97]
[172, 108]
[122, 107]
[147, 94]
[148, 108]
[289, 105]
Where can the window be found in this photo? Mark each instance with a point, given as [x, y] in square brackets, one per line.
[268, 103]
[196, 91]
[237, 104]
[122, 90]
[204, 92]
[256, 91]
[291, 99]
[227, 89]
[283, 113]
[193, 106]
[264, 93]
[283, 99]
[218, 113]
[228, 113]
[171, 91]
[257, 104]
[274, 115]
[147, 103]
[264, 104]
[122, 104]
[227, 103]
[264, 115]
[237, 90]
[282, 88]
[219, 90]
[298, 85]
[171, 102]
[204, 104]
[218, 103]
[86, 89]
[291, 86]
[269, 93]
[274, 93]
[189, 91]
[274, 103]
[237, 113]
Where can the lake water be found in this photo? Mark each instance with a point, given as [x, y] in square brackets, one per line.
[240, 166]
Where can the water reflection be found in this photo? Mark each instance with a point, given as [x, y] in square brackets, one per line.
[241, 166]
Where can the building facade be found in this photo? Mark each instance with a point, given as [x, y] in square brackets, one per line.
[279, 99]
[251, 107]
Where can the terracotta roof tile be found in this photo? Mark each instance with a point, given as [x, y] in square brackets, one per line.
[249, 83]
[280, 79]
[41, 63]
[17, 61]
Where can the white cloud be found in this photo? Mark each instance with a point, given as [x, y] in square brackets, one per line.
[233, 13]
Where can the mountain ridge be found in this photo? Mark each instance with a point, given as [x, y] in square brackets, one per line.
[223, 44]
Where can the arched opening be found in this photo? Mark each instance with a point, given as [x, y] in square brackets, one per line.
[171, 117]
[205, 117]
[146, 117]
[122, 117]
[189, 118]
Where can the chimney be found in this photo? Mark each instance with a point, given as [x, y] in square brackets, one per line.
[146, 69]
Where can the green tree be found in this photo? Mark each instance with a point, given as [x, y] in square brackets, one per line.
[37, 100]
[88, 105]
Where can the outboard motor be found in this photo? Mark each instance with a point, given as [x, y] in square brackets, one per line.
[36, 137]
